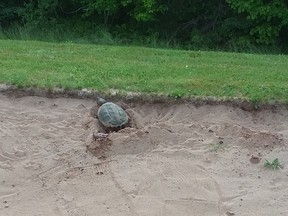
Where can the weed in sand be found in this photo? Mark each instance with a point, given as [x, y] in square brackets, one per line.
[215, 147]
[275, 164]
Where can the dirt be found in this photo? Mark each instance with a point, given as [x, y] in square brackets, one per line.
[179, 159]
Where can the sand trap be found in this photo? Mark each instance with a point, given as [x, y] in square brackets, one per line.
[172, 164]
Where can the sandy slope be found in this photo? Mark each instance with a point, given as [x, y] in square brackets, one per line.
[172, 164]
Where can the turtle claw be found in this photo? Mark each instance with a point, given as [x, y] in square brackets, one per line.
[100, 136]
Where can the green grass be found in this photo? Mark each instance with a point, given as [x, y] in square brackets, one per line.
[170, 72]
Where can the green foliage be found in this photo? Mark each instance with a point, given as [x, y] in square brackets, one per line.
[221, 24]
[9, 11]
[146, 10]
[275, 164]
[105, 8]
[267, 17]
[139, 10]
[40, 15]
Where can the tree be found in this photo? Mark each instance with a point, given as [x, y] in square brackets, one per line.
[268, 17]
[9, 12]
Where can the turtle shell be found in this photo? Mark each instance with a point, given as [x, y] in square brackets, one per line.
[111, 115]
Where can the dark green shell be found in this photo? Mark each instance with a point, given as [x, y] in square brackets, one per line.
[112, 115]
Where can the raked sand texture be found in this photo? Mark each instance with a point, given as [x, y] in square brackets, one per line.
[180, 160]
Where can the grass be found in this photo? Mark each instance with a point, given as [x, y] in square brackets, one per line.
[175, 73]
[275, 164]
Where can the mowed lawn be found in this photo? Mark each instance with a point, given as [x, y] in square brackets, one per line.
[175, 73]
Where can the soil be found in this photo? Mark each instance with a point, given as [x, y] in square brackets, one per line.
[178, 159]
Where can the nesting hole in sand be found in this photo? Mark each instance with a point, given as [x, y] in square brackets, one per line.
[156, 126]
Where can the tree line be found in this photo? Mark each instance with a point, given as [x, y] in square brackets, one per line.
[209, 23]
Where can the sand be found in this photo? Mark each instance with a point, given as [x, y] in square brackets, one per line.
[178, 160]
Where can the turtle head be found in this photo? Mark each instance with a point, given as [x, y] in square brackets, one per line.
[101, 101]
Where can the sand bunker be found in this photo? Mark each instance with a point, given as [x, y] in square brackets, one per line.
[180, 160]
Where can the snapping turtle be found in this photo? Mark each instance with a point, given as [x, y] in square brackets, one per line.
[110, 115]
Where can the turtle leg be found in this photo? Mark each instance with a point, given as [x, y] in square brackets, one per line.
[94, 111]
[109, 130]
[131, 121]
[101, 128]
[123, 105]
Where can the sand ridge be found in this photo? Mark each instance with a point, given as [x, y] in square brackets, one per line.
[179, 160]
